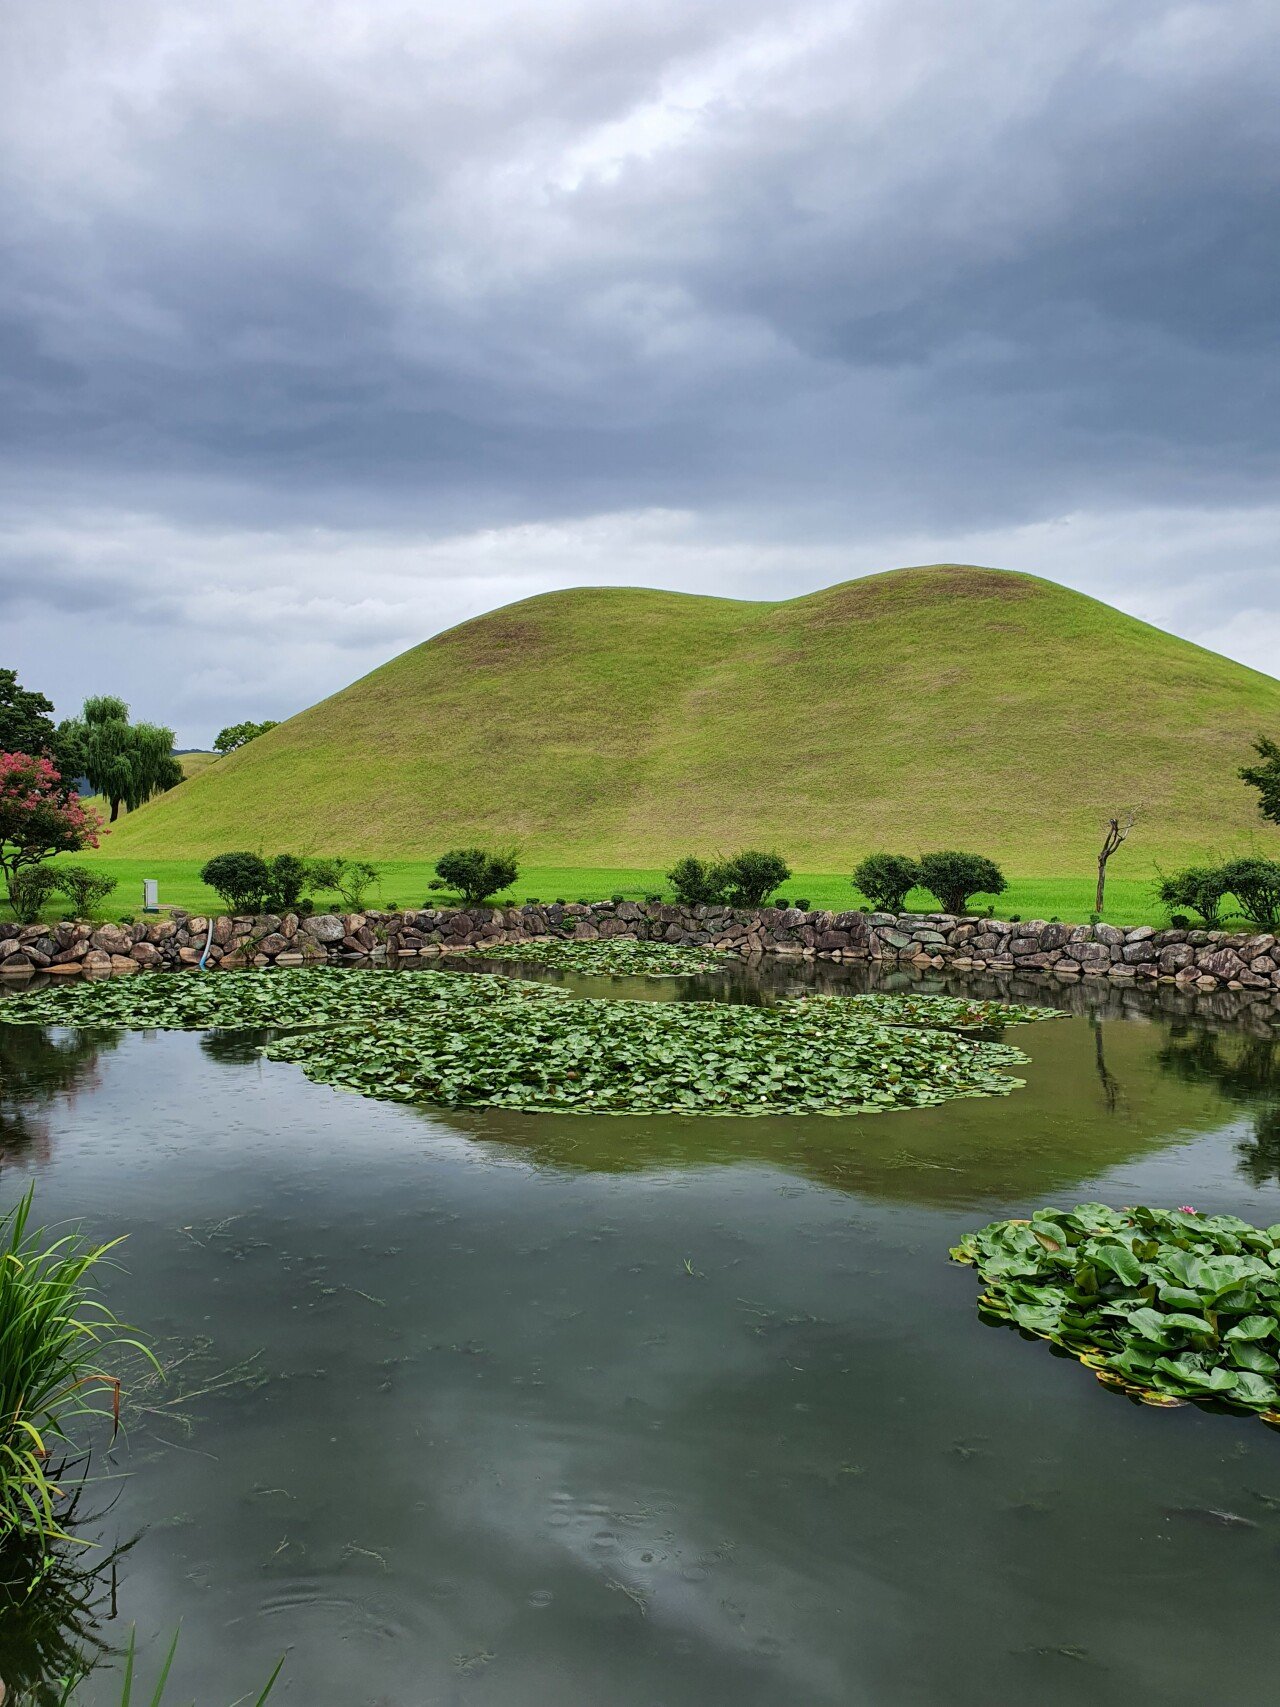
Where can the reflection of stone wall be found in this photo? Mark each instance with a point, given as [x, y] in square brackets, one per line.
[1202, 959]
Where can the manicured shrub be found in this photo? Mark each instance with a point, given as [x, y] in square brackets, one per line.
[84, 888]
[752, 876]
[746, 879]
[697, 882]
[241, 880]
[1199, 887]
[1255, 883]
[886, 879]
[29, 890]
[802, 905]
[953, 877]
[476, 874]
[288, 876]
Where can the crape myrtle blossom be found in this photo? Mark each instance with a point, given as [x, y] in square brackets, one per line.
[39, 816]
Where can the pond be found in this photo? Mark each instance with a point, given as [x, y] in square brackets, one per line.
[542, 1410]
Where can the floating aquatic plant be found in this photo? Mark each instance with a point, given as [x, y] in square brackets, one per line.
[1164, 1304]
[284, 999]
[618, 957]
[820, 1057]
[462, 1039]
[958, 1012]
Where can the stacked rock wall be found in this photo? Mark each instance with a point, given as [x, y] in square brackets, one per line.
[1205, 960]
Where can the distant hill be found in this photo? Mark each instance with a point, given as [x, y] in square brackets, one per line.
[928, 707]
[193, 760]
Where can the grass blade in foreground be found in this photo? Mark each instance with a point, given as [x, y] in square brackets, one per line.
[156, 1698]
[1168, 1306]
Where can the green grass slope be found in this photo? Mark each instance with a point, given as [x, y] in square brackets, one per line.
[929, 707]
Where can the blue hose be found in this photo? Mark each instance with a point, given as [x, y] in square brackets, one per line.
[207, 942]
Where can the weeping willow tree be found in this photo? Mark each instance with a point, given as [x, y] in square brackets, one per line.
[126, 763]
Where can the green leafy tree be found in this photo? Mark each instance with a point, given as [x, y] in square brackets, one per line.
[26, 726]
[476, 874]
[1265, 777]
[127, 763]
[237, 735]
[886, 879]
[953, 877]
[26, 718]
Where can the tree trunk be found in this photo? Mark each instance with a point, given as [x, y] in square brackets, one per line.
[1102, 884]
[115, 810]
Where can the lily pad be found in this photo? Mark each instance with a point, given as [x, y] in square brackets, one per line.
[1164, 1305]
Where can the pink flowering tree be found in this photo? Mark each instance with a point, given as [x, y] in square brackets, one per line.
[39, 817]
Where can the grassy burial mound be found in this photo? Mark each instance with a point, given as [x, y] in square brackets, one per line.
[622, 726]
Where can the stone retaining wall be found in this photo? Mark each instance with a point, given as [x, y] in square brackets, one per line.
[1205, 960]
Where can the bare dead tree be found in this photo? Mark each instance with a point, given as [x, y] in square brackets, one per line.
[1116, 832]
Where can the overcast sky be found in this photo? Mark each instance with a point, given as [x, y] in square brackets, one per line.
[325, 324]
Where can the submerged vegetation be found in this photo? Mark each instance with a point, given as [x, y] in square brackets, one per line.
[461, 1039]
[1166, 1305]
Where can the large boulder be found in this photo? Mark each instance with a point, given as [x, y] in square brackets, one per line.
[324, 927]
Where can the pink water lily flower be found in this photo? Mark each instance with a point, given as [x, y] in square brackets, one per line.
[1187, 1209]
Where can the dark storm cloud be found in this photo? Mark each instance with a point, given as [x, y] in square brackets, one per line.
[825, 272]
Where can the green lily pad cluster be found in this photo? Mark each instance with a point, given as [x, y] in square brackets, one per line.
[459, 1039]
[958, 1012]
[285, 999]
[1166, 1305]
[617, 957]
[653, 1057]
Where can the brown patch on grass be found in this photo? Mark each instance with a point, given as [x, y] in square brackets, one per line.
[877, 597]
[488, 643]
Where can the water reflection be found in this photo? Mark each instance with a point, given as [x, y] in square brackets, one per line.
[1247, 1072]
[38, 1066]
[562, 1409]
[56, 1608]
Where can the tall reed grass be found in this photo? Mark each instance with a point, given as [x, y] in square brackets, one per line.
[58, 1340]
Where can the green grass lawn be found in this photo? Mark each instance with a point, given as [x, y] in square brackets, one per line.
[1131, 901]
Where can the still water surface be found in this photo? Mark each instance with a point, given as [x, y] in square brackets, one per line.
[563, 1411]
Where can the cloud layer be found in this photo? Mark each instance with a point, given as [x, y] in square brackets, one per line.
[324, 325]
